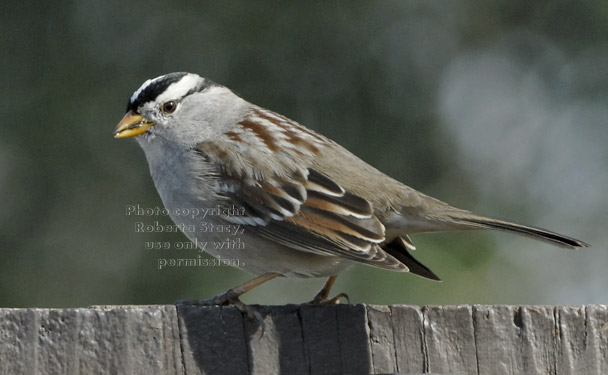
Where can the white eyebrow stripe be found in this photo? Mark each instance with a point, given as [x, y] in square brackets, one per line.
[179, 89]
[142, 88]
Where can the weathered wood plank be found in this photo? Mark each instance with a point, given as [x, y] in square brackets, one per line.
[135, 340]
[497, 339]
[583, 334]
[408, 331]
[18, 341]
[280, 346]
[129, 339]
[450, 339]
[320, 333]
[353, 335]
[305, 340]
[381, 339]
[211, 339]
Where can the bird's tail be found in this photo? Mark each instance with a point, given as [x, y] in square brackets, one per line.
[473, 221]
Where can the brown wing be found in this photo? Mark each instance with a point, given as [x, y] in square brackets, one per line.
[285, 200]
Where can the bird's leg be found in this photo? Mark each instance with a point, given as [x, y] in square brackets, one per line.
[322, 295]
[231, 296]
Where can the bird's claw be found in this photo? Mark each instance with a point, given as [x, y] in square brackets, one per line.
[227, 299]
[321, 299]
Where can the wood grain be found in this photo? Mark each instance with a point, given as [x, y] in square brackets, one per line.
[304, 339]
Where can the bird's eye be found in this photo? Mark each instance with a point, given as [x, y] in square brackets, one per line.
[169, 107]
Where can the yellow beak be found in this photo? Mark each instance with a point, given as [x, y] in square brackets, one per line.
[131, 125]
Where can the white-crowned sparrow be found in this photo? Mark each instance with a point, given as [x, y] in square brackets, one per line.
[308, 207]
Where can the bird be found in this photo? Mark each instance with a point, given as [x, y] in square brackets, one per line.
[305, 206]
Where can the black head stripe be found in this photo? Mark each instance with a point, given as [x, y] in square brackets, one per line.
[153, 90]
[205, 83]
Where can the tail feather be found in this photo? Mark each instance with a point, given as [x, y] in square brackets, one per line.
[525, 230]
[399, 248]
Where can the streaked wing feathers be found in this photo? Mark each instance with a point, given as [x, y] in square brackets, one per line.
[288, 202]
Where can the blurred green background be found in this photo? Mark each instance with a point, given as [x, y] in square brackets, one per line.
[499, 107]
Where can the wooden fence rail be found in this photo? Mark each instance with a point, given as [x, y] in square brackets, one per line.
[301, 339]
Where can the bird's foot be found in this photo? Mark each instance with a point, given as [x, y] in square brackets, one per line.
[231, 298]
[321, 299]
[228, 298]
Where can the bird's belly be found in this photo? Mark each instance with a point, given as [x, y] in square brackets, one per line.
[258, 255]
[235, 245]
